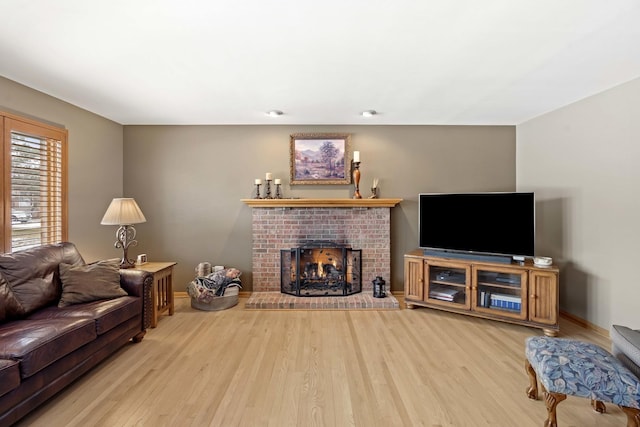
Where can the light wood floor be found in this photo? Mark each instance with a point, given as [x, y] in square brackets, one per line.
[240, 367]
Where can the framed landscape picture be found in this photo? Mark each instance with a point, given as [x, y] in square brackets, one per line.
[320, 158]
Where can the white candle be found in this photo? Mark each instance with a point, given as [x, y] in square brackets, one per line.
[356, 156]
[258, 181]
[269, 176]
[277, 181]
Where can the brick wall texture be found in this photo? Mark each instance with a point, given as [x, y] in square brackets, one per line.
[274, 229]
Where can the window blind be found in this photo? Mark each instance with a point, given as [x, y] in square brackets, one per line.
[36, 191]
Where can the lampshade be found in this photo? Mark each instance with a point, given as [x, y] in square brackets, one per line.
[123, 211]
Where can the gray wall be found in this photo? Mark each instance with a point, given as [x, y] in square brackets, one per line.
[95, 163]
[582, 161]
[189, 181]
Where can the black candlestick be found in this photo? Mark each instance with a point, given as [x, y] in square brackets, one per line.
[267, 189]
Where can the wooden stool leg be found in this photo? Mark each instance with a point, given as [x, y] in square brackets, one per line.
[552, 400]
[598, 406]
[532, 390]
[633, 416]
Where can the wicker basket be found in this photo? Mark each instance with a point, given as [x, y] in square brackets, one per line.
[228, 300]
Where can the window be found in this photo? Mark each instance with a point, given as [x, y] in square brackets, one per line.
[34, 183]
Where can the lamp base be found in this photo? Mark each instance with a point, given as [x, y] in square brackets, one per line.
[126, 237]
[127, 263]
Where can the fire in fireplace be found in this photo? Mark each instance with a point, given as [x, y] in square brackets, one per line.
[321, 268]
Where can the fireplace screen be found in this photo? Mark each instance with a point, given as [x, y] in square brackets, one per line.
[321, 269]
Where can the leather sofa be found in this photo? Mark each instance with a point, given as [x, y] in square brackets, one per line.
[44, 344]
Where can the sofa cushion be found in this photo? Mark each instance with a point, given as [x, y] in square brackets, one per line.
[626, 347]
[38, 343]
[85, 283]
[31, 277]
[9, 375]
[106, 313]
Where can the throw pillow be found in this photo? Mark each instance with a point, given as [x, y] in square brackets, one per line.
[17, 301]
[92, 282]
[31, 277]
[9, 306]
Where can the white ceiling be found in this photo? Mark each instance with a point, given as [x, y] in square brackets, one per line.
[488, 62]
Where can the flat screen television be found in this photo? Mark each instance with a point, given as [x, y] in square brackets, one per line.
[501, 224]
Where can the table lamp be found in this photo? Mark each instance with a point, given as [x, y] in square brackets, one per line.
[124, 212]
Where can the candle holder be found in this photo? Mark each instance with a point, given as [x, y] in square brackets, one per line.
[356, 180]
[374, 189]
[267, 189]
[257, 196]
[278, 192]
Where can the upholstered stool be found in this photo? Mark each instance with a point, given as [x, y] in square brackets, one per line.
[575, 368]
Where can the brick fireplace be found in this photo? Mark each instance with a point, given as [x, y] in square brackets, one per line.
[287, 223]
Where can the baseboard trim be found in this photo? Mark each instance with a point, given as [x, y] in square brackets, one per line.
[584, 323]
[183, 294]
[247, 294]
[572, 317]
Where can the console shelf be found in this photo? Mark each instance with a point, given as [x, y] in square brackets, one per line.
[522, 294]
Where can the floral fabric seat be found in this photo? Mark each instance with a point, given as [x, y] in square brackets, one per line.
[575, 368]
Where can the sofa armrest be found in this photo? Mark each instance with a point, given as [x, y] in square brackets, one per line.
[133, 281]
[625, 345]
[138, 283]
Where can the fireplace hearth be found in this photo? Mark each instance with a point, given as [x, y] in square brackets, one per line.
[321, 268]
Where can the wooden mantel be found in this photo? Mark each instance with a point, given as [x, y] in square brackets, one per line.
[322, 203]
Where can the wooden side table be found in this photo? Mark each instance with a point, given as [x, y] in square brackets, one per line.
[162, 289]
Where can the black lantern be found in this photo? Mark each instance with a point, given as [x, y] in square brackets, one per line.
[379, 290]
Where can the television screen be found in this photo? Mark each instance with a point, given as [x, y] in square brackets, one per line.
[486, 223]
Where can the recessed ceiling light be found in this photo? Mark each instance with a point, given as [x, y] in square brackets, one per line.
[369, 113]
[274, 113]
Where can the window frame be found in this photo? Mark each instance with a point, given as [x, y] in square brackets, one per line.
[13, 123]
